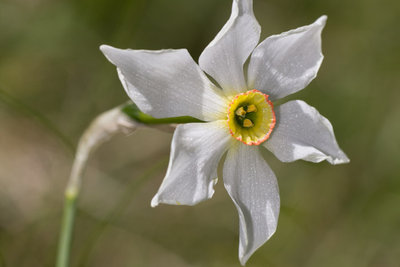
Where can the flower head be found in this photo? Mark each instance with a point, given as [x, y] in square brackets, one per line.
[239, 115]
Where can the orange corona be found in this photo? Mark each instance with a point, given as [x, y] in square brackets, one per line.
[251, 117]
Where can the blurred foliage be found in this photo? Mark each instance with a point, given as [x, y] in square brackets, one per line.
[331, 215]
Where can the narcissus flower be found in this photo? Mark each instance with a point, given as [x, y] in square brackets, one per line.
[238, 112]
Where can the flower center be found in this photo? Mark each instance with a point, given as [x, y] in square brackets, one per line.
[251, 117]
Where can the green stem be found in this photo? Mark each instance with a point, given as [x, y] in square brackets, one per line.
[66, 230]
[102, 129]
[133, 112]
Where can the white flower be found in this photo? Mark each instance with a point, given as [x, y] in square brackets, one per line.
[168, 83]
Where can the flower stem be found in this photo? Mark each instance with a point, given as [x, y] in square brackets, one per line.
[66, 230]
[133, 112]
[100, 130]
[125, 118]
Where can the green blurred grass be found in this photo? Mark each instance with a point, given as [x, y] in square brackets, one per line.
[331, 215]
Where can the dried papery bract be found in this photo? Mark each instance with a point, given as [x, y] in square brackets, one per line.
[103, 128]
[100, 130]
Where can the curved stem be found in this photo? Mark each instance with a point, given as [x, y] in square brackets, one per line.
[124, 118]
[100, 130]
[133, 112]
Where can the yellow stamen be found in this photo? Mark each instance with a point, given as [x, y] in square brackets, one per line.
[240, 112]
[251, 108]
[247, 123]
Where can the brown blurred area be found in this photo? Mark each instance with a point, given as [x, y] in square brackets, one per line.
[54, 81]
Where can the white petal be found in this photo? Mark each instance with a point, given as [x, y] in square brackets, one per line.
[192, 172]
[302, 133]
[253, 188]
[167, 83]
[286, 63]
[224, 57]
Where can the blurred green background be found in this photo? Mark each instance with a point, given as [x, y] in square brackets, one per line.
[54, 81]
